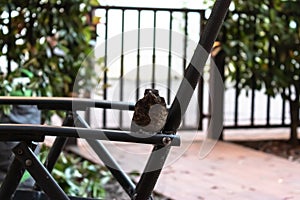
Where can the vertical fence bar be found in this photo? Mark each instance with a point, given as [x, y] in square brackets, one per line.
[217, 102]
[201, 81]
[200, 103]
[87, 113]
[270, 63]
[253, 83]
[170, 59]
[236, 107]
[268, 110]
[105, 65]
[138, 57]
[185, 50]
[122, 69]
[283, 110]
[154, 50]
[185, 41]
[252, 101]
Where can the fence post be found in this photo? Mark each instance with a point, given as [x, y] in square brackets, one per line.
[216, 107]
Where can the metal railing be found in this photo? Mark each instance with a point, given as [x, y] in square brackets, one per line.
[238, 116]
[264, 111]
[185, 21]
[188, 22]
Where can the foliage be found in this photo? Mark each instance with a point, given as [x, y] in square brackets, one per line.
[262, 41]
[49, 38]
[79, 177]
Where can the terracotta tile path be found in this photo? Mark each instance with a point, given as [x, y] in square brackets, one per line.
[229, 172]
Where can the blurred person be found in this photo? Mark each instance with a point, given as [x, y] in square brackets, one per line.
[19, 114]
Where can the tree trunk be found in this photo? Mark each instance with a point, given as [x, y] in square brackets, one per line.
[294, 112]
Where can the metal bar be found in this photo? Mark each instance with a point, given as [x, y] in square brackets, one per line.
[201, 83]
[256, 126]
[185, 42]
[196, 65]
[58, 145]
[20, 137]
[54, 152]
[149, 8]
[62, 103]
[237, 91]
[185, 50]
[270, 65]
[105, 71]
[217, 96]
[39, 172]
[170, 59]
[200, 103]
[268, 110]
[151, 172]
[109, 161]
[122, 69]
[154, 50]
[236, 105]
[253, 78]
[283, 111]
[11, 131]
[159, 154]
[138, 57]
[13, 177]
[252, 101]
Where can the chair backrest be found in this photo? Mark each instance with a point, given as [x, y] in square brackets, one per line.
[24, 159]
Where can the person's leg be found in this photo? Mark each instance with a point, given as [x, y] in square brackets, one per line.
[20, 114]
[6, 157]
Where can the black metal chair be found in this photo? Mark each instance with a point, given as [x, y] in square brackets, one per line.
[162, 142]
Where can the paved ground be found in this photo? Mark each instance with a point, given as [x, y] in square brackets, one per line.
[229, 172]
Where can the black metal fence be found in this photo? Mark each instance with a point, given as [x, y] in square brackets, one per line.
[263, 110]
[125, 78]
[256, 110]
[159, 62]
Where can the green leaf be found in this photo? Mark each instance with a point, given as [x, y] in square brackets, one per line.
[94, 3]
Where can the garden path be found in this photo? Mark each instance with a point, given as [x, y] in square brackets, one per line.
[230, 171]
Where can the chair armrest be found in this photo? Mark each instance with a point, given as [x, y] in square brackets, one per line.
[21, 132]
[65, 103]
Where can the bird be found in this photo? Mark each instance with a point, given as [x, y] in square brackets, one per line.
[150, 113]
